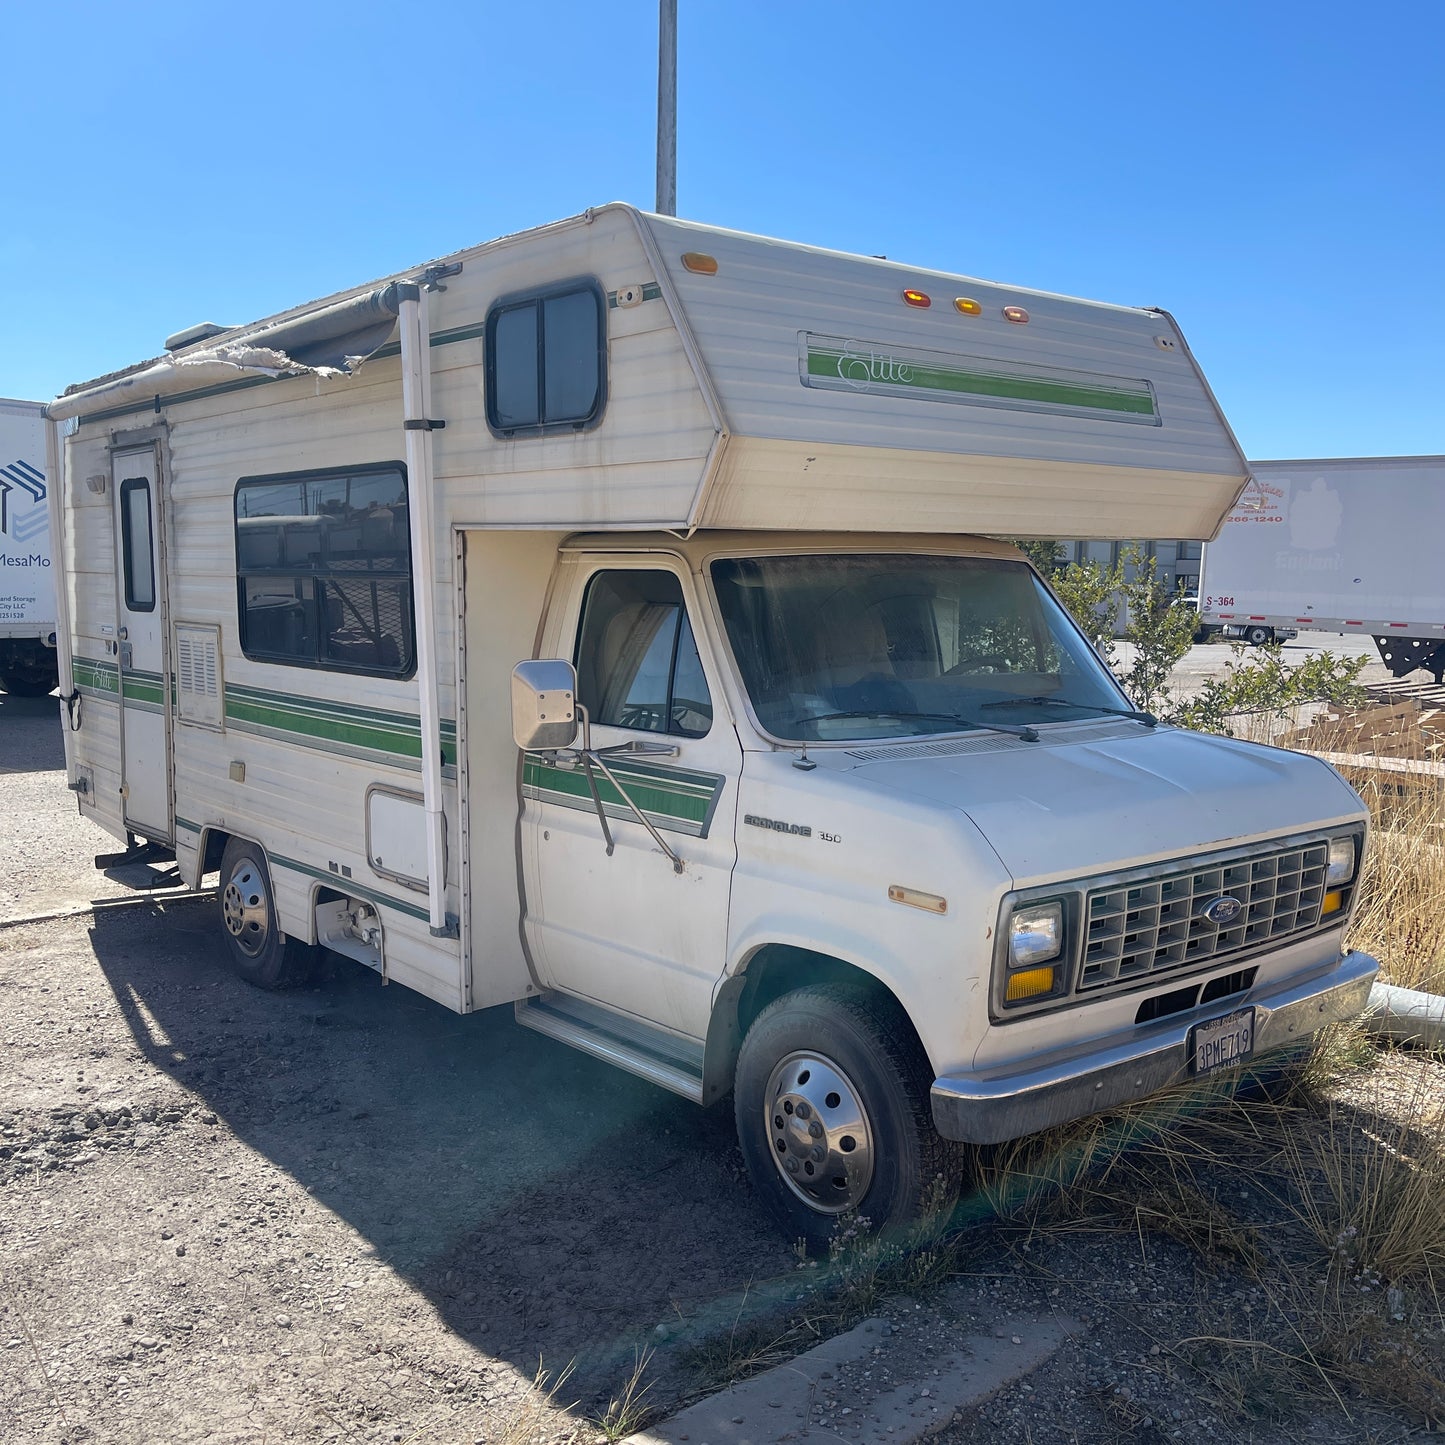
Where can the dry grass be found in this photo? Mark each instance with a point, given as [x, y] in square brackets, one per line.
[1400, 909]
[1345, 1244]
[536, 1417]
[629, 1410]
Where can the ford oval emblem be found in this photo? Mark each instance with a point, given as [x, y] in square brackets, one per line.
[1222, 911]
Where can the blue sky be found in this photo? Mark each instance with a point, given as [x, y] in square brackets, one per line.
[1273, 174]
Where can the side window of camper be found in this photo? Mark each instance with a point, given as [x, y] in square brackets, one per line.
[323, 571]
[637, 660]
[546, 360]
[137, 545]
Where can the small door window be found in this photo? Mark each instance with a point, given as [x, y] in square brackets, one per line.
[137, 545]
[637, 660]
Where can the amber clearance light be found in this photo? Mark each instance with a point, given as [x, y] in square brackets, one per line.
[698, 261]
[920, 299]
[1029, 983]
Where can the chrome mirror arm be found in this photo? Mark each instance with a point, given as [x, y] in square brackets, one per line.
[596, 757]
[591, 757]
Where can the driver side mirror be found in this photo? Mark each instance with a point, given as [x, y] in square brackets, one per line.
[544, 705]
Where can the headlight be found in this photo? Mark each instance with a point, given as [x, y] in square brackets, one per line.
[1342, 862]
[1036, 934]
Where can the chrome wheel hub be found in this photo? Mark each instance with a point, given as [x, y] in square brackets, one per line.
[819, 1133]
[244, 908]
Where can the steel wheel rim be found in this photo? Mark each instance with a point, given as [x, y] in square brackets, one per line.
[245, 910]
[818, 1132]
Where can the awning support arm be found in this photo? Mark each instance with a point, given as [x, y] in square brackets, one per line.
[421, 495]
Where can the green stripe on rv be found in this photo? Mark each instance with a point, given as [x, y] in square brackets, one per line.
[143, 689]
[321, 723]
[95, 677]
[312, 722]
[349, 887]
[672, 798]
[878, 370]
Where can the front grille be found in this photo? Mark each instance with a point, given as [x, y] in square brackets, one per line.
[1155, 926]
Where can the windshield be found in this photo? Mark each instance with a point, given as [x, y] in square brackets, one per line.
[836, 648]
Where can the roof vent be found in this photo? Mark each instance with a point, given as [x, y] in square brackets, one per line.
[193, 334]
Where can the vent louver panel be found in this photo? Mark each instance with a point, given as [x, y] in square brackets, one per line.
[199, 692]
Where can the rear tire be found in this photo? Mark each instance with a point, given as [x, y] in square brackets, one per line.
[260, 952]
[833, 1115]
[27, 684]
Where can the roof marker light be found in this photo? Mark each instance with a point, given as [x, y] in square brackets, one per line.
[699, 262]
[920, 299]
[1016, 314]
[967, 305]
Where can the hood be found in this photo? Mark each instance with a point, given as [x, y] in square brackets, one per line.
[1058, 809]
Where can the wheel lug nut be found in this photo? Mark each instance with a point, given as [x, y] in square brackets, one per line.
[791, 1164]
[815, 1129]
[804, 1112]
[817, 1153]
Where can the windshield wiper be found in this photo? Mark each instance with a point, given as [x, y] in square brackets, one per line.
[1026, 733]
[1147, 718]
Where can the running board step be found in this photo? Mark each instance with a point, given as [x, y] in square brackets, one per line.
[651, 1053]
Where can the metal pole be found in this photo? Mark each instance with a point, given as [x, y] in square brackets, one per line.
[667, 107]
[415, 329]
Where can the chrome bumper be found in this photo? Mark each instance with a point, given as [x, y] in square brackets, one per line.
[991, 1107]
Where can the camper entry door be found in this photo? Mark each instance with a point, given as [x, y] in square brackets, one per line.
[141, 645]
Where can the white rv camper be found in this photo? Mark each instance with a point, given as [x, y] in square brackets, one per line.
[802, 790]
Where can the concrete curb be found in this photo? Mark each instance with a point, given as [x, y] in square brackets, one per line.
[779, 1404]
[110, 905]
[1405, 1016]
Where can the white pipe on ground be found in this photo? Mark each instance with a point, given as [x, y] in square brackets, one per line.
[416, 412]
[1405, 1016]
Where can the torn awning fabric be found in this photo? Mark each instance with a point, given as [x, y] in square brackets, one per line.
[331, 342]
[338, 337]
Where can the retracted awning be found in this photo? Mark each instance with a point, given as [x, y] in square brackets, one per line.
[333, 341]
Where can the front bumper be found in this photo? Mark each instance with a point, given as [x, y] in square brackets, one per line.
[991, 1107]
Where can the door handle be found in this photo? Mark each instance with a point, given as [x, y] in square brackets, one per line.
[124, 649]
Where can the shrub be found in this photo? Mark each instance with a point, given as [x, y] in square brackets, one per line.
[1161, 632]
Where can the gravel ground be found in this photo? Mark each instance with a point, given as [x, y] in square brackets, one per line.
[47, 847]
[348, 1214]
[336, 1214]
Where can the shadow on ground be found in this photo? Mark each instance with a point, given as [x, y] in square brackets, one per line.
[548, 1206]
[31, 740]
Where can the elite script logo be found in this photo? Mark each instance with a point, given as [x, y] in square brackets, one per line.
[861, 366]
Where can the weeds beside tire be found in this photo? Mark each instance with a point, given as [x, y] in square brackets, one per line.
[834, 1115]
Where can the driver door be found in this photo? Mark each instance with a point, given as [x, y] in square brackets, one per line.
[628, 931]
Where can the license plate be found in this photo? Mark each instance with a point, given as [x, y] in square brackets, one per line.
[1222, 1043]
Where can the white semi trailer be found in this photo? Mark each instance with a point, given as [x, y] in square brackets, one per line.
[589, 623]
[27, 591]
[1340, 544]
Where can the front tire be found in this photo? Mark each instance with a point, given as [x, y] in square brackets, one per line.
[833, 1115]
[260, 952]
[1259, 636]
